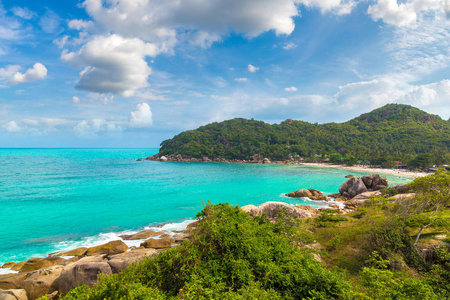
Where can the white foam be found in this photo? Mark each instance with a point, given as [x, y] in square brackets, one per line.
[7, 271]
[316, 203]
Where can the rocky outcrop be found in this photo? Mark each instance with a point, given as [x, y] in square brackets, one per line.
[163, 158]
[271, 209]
[84, 271]
[120, 262]
[355, 185]
[13, 294]
[18, 266]
[111, 248]
[312, 194]
[403, 196]
[75, 252]
[360, 199]
[41, 282]
[158, 243]
[140, 235]
[266, 160]
[11, 281]
[39, 263]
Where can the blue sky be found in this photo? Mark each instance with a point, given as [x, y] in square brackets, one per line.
[132, 73]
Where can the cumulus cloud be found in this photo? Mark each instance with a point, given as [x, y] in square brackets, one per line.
[23, 12]
[37, 72]
[142, 117]
[112, 64]
[243, 79]
[252, 68]
[96, 127]
[11, 127]
[8, 71]
[50, 22]
[291, 89]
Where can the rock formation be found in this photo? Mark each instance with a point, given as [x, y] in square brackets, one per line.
[356, 185]
[312, 194]
[271, 210]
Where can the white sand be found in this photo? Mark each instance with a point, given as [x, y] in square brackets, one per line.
[398, 172]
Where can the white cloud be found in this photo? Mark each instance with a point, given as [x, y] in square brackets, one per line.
[339, 7]
[80, 24]
[96, 127]
[252, 68]
[289, 46]
[50, 22]
[37, 72]
[23, 13]
[393, 13]
[112, 64]
[8, 71]
[76, 99]
[243, 79]
[11, 127]
[291, 89]
[142, 117]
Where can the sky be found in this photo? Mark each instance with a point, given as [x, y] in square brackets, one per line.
[132, 73]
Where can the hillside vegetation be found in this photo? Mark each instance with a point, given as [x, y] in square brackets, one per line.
[392, 132]
[373, 253]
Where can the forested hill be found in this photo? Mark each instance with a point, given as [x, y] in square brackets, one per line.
[392, 132]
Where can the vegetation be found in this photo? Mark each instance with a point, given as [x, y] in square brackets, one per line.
[373, 253]
[391, 133]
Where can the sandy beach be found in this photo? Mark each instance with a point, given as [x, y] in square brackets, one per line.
[360, 168]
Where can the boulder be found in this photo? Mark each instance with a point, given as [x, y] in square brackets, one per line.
[266, 160]
[373, 180]
[111, 248]
[163, 158]
[84, 271]
[17, 266]
[145, 234]
[352, 187]
[13, 294]
[349, 176]
[403, 196]
[75, 252]
[256, 158]
[11, 281]
[271, 210]
[361, 198]
[379, 187]
[8, 265]
[39, 263]
[41, 282]
[120, 262]
[300, 194]
[401, 188]
[158, 243]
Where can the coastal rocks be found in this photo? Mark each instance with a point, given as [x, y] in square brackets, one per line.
[401, 188]
[359, 199]
[158, 243]
[11, 281]
[17, 266]
[84, 271]
[271, 209]
[145, 234]
[13, 294]
[355, 185]
[41, 282]
[111, 248]
[375, 182]
[400, 197]
[120, 262]
[266, 160]
[256, 158]
[8, 265]
[312, 194]
[39, 263]
[75, 252]
[349, 176]
[163, 158]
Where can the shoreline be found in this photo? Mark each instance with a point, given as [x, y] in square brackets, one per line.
[359, 168]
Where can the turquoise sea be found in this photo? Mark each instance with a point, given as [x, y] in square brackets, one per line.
[55, 199]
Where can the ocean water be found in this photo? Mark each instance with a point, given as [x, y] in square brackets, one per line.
[57, 199]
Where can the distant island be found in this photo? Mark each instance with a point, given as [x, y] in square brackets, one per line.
[394, 135]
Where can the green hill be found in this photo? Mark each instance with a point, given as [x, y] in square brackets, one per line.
[392, 132]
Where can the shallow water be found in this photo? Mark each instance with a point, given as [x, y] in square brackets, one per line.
[55, 199]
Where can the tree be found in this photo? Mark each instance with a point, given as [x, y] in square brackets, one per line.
[349, 160]
[423, 161]
[335, 158]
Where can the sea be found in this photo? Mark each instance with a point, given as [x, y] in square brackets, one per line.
[59, 199]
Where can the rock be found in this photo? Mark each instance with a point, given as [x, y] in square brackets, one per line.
[349, 176]
[163, 158]
[266, 160]
[111, 248]
[120, 262]
[192, 225]
[361, 198]
[271, 210]
[373, 180]
[41, 282]
[158, 243]
[11, 281]
[17, 266]
[337, 195]
[335, 206]
[8, 265]
[300, 193]
[84, 271]
[403, 196]
[379, 187]
[13, 294]
[140, 235]
[401, 188]
[353, 187]
[256, 158]
[39, 263]
[205, 159]
[75, 252]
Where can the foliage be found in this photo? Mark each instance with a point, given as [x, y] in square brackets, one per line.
[391, 133]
